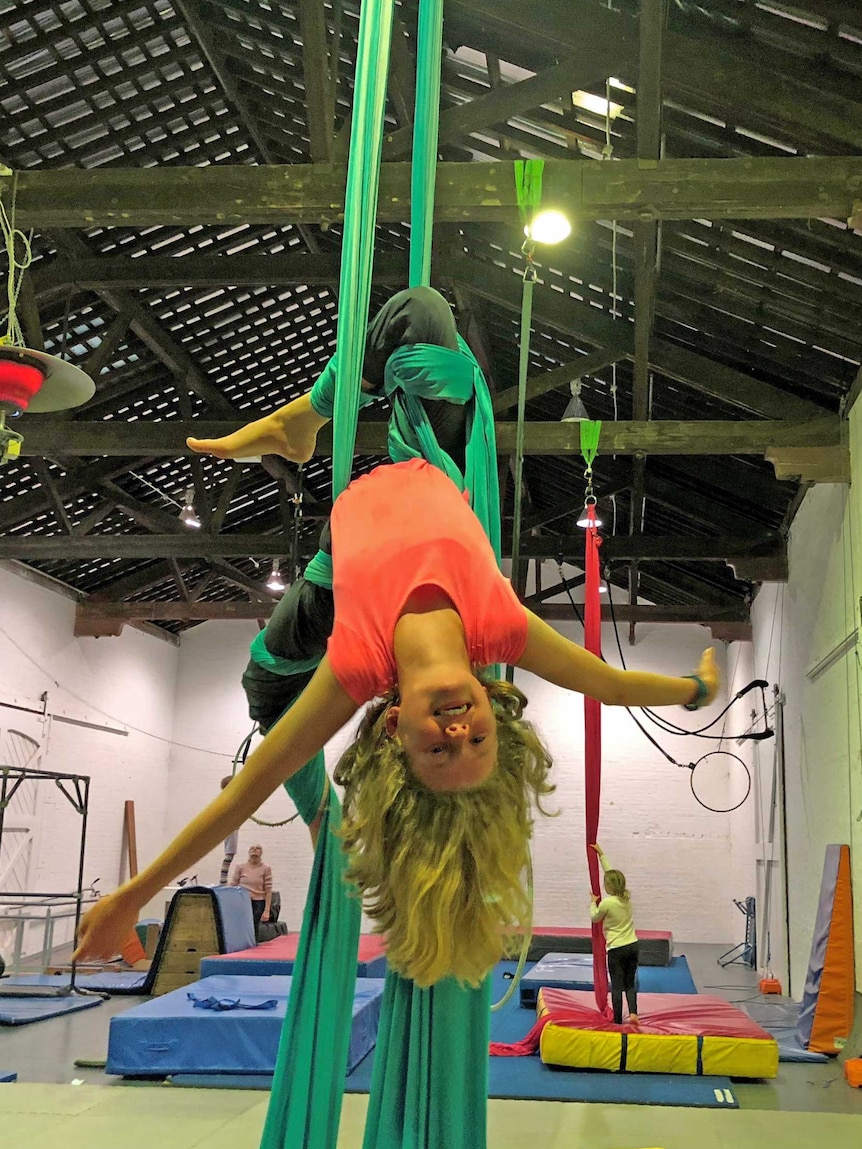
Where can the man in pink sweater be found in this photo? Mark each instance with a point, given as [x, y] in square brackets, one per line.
[255, 877]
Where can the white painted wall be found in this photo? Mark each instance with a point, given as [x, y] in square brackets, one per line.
[794, 627]
[125, 684]
[685, 865]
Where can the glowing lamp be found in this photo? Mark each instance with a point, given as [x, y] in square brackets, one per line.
[275, 582]
[548, 227]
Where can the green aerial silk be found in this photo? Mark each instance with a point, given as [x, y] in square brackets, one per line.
[429, 1087]
[305, 1103]
[308, 1085]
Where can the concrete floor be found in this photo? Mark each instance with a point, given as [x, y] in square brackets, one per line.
[805, 1106]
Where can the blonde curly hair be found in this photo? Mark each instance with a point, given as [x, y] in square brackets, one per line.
[442, 873]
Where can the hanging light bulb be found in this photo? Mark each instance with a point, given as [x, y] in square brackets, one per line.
[548, 227]
[575, 411]
[585, 521]
[275, 581]
[188, 514]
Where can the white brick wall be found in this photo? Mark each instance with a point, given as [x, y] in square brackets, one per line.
[794, 627]
[131, 679]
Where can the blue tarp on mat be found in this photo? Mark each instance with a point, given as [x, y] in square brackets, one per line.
[780, 1017]
[24, 1010]
[168, 1035]
[575, 971]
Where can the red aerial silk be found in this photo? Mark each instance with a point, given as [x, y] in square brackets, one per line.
[593, 751]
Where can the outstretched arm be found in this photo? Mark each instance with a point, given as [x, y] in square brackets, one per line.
[319, 713]
[566, 664]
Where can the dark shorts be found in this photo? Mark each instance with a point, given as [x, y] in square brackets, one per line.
[302, 620]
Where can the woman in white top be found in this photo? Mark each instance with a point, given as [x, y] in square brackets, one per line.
[615, 914]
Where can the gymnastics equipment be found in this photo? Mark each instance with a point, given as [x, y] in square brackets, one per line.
[655, 948]
[853, 1072]
[746, 952]
[677, 1033]
[575, 971]
[75, 788]
[223, 1024]
[826, 1012]
[25, 1010]
[590, 432]
[278, 957]
[200, 921]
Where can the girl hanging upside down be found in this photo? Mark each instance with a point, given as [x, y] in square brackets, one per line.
[440, 784]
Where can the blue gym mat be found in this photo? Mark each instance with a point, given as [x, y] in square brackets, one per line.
[278, 967]
[168, 1035]
[118, 981]
[528, 1078]
[575, 971]
[779, 1016]
[6, 1075]
[24, 1010]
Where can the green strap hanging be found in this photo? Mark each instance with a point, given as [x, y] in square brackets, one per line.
[528, 187]
[591, 430]
[429, 56]
[357, 247]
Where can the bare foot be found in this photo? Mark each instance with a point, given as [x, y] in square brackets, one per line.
[290, 432]
[633, 1021]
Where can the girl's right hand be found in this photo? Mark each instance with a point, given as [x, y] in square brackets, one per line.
[106, 927]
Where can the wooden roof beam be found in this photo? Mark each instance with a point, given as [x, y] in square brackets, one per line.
[788, 187]
[202, 545]
[316, 79]
[113, 616]
[167, 438]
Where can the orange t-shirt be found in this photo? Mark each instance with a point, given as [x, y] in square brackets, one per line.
[396, 529]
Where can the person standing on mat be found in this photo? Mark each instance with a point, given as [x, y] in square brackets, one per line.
[231, 843]
[256, 877]
[615, 914]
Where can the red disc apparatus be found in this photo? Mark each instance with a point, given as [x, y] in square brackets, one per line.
[35, 382]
